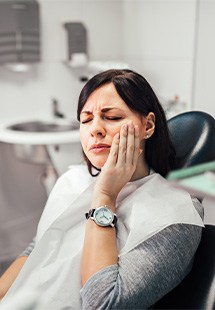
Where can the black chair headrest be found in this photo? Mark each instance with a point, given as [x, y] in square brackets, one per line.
[193, 135]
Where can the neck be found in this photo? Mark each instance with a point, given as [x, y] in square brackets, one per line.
[141, 171]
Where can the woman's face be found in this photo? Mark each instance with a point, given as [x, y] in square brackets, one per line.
[101, 118]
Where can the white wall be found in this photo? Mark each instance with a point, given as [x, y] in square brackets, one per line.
[171, 42]
[159, 42]
[204, 94]
[28, 95]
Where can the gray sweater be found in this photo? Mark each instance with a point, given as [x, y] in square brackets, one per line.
[146, 273]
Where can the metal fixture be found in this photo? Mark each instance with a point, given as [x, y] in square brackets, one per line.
[77, 44]
[19, 31]
[56, 112]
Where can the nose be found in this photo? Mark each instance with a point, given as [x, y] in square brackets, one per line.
[97, 128]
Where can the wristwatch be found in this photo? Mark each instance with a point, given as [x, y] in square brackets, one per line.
[102, 216]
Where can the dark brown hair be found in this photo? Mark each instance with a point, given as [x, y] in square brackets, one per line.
[139, 97]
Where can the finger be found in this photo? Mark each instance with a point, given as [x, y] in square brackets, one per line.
[113, 155]
[130, 144]
[136, 145]
[122, 145]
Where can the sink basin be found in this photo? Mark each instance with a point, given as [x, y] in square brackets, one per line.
[40, 132]
[42, 126]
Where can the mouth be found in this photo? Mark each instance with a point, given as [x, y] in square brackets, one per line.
[98, 148]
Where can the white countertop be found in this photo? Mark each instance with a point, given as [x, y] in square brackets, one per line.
[36, 138]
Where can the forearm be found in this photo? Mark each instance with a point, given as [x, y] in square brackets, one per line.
[100, 249]
[10, 275]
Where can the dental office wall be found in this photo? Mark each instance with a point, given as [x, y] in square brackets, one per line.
[160, 42]
[204, 94]
[169, 41]
[28, 94]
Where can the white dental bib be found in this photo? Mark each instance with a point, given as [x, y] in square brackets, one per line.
[144, 208]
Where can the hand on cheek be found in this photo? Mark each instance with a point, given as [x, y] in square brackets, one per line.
[121, 162]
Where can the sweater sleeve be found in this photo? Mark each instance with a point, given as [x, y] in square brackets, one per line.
[147, 273]
[29, 248]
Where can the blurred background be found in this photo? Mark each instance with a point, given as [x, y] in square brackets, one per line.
[48, 50]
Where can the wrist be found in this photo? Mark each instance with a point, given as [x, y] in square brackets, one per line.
[103, 199]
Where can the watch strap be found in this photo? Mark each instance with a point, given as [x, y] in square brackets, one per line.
[90, 213]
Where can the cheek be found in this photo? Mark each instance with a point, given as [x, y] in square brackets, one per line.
[114, 130]
[142, 133]
[141, 123]
[83, 139]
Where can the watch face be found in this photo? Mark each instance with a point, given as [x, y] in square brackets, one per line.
[103, 216]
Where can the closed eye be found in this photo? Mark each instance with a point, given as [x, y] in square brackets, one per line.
[113, 118]
[86, 121]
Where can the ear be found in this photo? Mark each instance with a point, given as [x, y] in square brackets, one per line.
[149, 125]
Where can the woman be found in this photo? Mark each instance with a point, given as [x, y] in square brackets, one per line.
[140, 235]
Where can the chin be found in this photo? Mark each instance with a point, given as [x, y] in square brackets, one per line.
[98, 162]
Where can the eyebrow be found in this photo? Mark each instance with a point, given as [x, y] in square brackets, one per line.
[102, 110]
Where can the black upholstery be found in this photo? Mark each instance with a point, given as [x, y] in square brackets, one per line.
[193, 134]
[197, 290]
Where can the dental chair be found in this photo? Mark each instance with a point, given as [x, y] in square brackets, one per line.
[193, 134]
